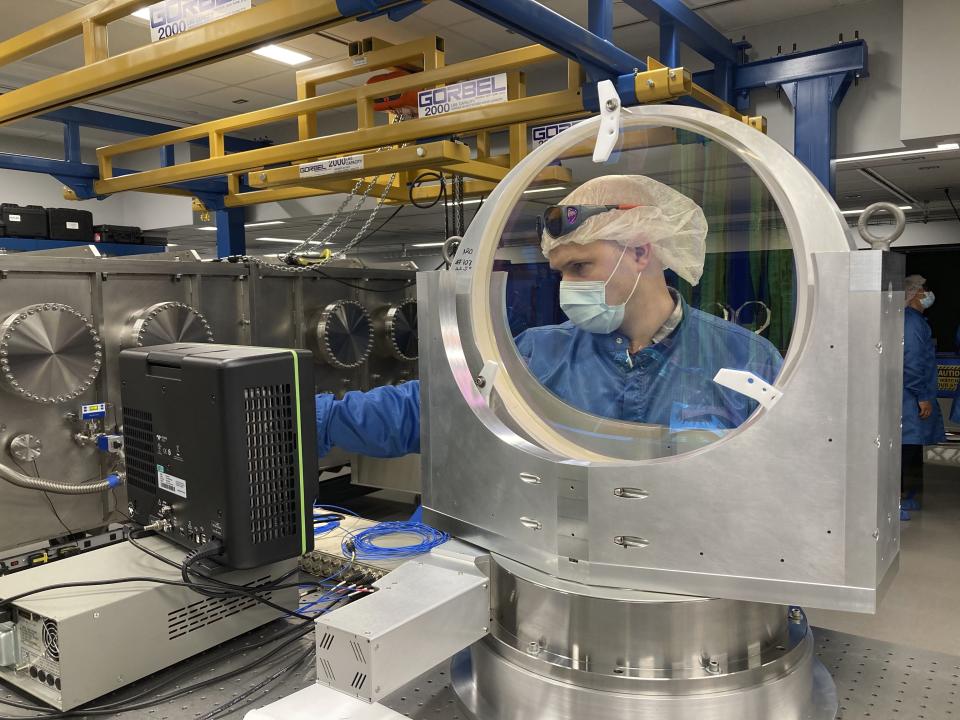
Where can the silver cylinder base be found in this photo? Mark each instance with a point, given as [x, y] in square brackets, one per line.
[493, 688]
[555, 653]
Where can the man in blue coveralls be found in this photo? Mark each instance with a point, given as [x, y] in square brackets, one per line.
[922, 421]
[632, 348]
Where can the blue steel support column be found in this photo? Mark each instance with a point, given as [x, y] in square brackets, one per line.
[231, 237]
[815, 102]
[815, 82]
[71, 142]
[669, 44]
[600, 18]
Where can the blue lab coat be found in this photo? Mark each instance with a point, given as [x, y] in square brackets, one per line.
[919, 381]
[669, 383]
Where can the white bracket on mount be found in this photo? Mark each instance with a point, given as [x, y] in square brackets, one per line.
[746, 383]
[609, 133]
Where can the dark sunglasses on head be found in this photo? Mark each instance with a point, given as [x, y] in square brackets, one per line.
[560, 220]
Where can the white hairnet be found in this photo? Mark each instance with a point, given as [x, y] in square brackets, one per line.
[672, 223]
[912, 285]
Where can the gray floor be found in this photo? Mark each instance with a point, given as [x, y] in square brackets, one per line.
[922, 607]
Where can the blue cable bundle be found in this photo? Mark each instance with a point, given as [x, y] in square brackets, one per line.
[362, 544]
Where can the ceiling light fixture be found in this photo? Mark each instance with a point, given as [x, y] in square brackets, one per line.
[207, 228]
[279, 240]
[942, 147]
[428, 245]
[556, 188]
[282, 54]
[857, 212]
[264, 223]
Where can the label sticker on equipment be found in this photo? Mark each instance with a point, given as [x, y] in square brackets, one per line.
[542, 133]
[171, 483]
[73, 225]
[332, 165]
[463, 95]
[89, 412]
[359, 61]
[13, 218]
[173, 17]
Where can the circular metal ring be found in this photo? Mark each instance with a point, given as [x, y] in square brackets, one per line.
[343, 336]
[49, 353]
[165, 323]
[553, 425]
[876, 241]
[401, 329]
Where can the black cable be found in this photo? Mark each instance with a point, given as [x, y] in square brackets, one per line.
[50, 503]
[404, 283]
[419, 180]
[946, 191]
[222, 589]
[117, 708]
[239, 699]
[95, 583]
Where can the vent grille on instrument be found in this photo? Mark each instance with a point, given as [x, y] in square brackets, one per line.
[201, 613]
[271, 461]
[138, 449]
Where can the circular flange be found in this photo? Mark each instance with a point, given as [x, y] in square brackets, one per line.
[49, 353]
[344, 334]
[168, 322]
[26, 447]
[401, 327]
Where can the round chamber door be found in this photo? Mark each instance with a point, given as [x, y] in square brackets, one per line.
[168, 322]
[343, 335]
[49, 353]
[400, 328]
[594, 287]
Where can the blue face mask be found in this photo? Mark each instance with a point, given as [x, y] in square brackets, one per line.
[585, 303]
[926, 302]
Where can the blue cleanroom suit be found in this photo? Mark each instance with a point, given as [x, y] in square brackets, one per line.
[669, 383]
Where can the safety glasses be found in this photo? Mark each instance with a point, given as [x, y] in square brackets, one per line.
[560, 220]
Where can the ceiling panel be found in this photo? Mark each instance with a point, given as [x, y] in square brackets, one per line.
[225, 98]
[318, 46]
[238, 70]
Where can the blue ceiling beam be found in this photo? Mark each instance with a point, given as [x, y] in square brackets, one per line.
[849, 57]
[601, 59]
[133, 126]
[695, 32]
[80, 176]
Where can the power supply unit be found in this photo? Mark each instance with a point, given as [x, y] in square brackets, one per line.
[69, 646]
[219, 444]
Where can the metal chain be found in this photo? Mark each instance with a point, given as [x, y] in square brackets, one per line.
[312, 239]
[458, 224]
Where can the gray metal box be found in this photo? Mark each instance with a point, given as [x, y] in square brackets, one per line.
[424, 611]
[77, 644]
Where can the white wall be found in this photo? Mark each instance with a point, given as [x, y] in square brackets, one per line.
[942, 232]
[146, 210]
[869, 117]
[931, 55]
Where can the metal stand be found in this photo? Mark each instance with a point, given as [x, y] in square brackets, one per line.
[610, 655]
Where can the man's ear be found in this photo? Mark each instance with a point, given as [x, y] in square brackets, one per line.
[641, 256]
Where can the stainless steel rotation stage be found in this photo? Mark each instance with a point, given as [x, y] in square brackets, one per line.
[611, 569]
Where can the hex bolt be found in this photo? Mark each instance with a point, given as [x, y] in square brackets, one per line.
[480, 381]
[612, 104]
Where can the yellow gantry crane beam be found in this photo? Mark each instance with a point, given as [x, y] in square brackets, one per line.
[564, 103]
[268, 22]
